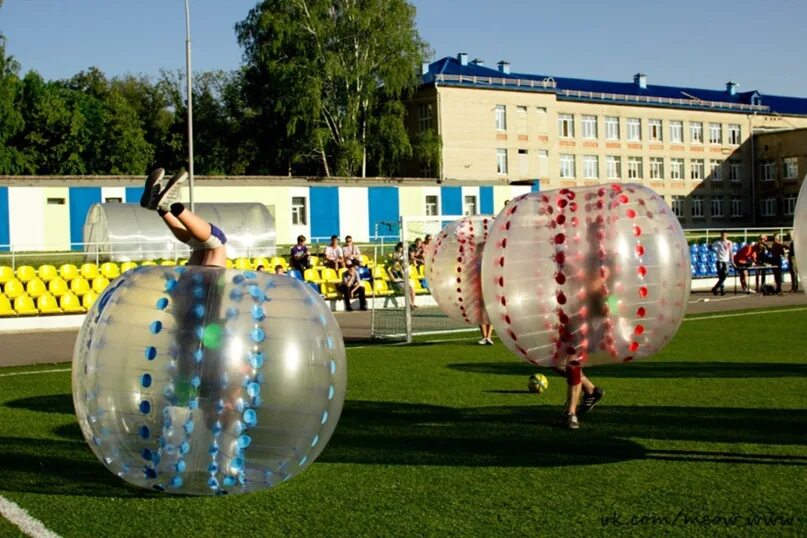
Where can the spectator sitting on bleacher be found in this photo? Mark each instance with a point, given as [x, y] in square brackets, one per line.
[417, 253]
[351, 252]
[300, 258]
[351, 286]
[334, 256]
[396, 272]
[746, 257]
[279, 270]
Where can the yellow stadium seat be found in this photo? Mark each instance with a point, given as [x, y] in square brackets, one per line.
[330, 275]
[88, 299]
[368, 288]
[68, 271]
[148, 262]
[79, 286]
[381, 288]
[47, 272]
[312, 275]
[421, 271]
[99, 284]
[13, 289]
[36, 288]
[6, 274]
[47, 305]
[110, 270]
[365, 259]
[5, 307]
[329, 290]
[89, 270]
[380, 273]
[279, 260]
[25, 273]
[182, 262]
[70, 304]
[314, 261]
[58, 287]
[417, 286]
[125, 266]
[25, 306]
[267, 266]
[170, 263]
[243, 264]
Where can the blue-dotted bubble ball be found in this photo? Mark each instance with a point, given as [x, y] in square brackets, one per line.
[206, 381]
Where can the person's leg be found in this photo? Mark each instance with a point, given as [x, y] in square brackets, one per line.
[198, 228]
[777, 278]
[482, 331]
[362, 298]
[794, 282]
[176, 227]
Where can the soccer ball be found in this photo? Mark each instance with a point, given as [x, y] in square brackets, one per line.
[537, 383]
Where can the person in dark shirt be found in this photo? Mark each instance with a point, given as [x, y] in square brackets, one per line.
[300, 258]
[350, 287]
[791, 266]
[777, 252]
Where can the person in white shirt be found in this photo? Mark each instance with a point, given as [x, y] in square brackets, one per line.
[351, 252]
[334, 257]
[722, 248]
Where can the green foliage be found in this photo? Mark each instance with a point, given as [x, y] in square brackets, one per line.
[324, 69]
[427, 148]
[11, 120]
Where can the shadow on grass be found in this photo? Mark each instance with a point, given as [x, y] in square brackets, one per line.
[530, 436]
[51, 403]
[651, 369]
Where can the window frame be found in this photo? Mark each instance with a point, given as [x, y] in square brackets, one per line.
[566, 125]
[565, 160]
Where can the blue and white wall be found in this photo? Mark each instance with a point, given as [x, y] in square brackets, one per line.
[52, 218]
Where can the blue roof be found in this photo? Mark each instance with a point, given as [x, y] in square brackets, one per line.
[577, 89]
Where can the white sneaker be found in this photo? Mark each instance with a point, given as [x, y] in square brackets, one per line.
[171, 193]
[152, 189]
[483, 342]
[571, 421]
[488, 341]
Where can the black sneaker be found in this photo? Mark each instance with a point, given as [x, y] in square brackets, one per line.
[590, 400]
[152, 189]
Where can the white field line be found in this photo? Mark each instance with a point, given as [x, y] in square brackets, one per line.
[35, 372]
[752, 313]
[18, 516]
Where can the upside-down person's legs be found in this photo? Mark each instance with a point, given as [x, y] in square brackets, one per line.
[201, 231]
[176, 227]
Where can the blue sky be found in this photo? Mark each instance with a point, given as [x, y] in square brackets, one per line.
[688, 43]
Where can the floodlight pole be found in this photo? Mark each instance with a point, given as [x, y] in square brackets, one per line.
[189, 78]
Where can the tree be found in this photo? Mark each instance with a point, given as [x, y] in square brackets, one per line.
[12, 161]
[322, 70]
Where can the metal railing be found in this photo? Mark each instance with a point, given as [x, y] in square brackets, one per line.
[695, 103]
[547, 83]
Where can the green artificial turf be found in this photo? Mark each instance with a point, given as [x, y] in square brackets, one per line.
[442, 439]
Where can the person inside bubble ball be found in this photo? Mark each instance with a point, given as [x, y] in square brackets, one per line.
[206, 240]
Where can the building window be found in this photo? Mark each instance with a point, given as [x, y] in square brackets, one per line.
[567, 166]
[501, 118]
[565, 125]
[717, 207]
[614, 166]
[696, 169]
[299, 215]
[791, 170]
[677, 131]
[790, 205]
[589, 126]
[591, 167]
[677, 168]
[656, 168]
[543, 163]
[56, 201]
[715, 133]
[635, 168]
[113, 200]
[714, 170]
[696, 132]
[734, 171]
[469, 206]
[425, 113]
[735, 134]
[431, 205]
[501, 161]
[768, 207]
[523, 162]
[634, 129]
[654, 126]
[612, 128]
[697, 206]
[521, 119]
[678, 206]
[768, 170]
[736, 206]
[541, 109]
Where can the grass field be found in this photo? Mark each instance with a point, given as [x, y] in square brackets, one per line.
[709, 438]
